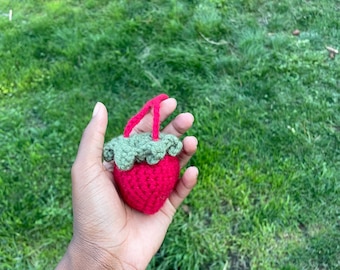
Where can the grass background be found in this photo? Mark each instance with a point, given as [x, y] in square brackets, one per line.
[267, 116]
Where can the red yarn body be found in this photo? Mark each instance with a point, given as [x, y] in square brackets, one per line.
[146, 187]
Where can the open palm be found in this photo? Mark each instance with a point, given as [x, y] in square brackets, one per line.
[107, 232]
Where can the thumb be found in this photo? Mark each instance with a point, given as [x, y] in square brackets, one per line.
[91, 144]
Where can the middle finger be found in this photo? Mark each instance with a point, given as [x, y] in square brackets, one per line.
[179, 125]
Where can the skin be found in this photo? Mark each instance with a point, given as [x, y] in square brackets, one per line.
[108, 234]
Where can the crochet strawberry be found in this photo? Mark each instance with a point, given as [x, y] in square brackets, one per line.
[146, 166]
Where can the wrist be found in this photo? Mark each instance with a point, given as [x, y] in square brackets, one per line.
[85, 256]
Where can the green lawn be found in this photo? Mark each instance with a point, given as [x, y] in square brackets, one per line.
[267, 116]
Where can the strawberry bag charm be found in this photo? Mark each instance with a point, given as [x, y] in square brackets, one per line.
[146, 166]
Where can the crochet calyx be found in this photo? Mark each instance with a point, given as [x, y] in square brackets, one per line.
[139, 148]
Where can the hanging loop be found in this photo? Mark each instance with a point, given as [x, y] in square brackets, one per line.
[154, 104]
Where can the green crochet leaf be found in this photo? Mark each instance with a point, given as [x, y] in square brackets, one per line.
[140, 147]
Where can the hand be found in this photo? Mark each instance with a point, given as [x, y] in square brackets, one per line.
[107, 233]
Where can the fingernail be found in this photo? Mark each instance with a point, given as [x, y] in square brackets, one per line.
[196, 170]
[95, 110]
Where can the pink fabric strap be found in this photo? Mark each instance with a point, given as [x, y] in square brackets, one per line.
[154, 103]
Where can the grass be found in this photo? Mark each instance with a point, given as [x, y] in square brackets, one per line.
[266, 107]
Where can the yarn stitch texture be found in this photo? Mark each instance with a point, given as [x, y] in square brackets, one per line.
[146, 166]
[146, 187]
